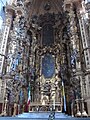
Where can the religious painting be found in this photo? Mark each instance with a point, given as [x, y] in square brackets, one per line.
[47, 35]
[48, 66]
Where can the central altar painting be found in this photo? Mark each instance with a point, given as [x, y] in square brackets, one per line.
[48, 65]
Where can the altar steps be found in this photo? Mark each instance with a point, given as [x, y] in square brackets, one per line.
[42, 116]
[15, 118]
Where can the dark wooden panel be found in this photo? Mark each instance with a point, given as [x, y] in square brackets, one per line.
[47, 35]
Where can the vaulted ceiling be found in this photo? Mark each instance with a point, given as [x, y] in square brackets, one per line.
[41, 6]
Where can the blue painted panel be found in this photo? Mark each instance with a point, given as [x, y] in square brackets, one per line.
[48, 66]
